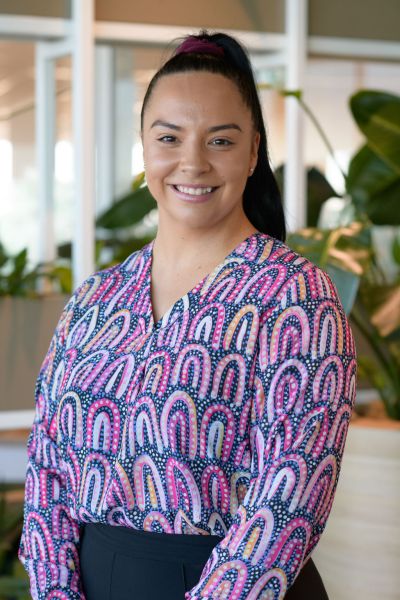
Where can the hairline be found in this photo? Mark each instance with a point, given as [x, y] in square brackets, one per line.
[203, 67]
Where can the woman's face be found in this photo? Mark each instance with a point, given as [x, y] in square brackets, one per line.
[199, 145]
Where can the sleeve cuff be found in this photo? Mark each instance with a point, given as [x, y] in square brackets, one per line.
[52, 580]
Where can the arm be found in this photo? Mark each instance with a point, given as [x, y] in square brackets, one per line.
[50, 536]
[304, 391]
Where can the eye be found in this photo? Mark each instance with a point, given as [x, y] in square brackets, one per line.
[221, 142]
[167, 139]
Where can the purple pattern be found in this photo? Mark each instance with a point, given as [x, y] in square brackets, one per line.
[228, 417]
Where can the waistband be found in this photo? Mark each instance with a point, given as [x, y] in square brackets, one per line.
[173, 547]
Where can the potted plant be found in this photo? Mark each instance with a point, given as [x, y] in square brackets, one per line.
[358, 554]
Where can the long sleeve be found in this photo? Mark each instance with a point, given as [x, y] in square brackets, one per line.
[49, 542]
[304, 391]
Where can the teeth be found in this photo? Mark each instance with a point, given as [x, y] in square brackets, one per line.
[194, 191]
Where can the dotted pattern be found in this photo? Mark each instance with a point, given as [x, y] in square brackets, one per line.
[228, 416]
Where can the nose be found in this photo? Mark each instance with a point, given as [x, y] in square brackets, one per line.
[194, 159]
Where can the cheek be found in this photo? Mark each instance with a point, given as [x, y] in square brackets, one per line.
[158, 162]
[159, 166]
[234, 168]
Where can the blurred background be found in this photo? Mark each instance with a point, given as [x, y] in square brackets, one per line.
[73, 199]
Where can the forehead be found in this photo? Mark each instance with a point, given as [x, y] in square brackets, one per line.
[194, 94]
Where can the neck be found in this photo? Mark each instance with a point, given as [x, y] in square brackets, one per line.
[185, 250]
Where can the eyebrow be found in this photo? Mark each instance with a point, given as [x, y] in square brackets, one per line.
[213, 129]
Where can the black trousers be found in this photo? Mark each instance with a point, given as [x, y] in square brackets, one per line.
[120, 563]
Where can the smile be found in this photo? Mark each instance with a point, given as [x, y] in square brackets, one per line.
[194, 190]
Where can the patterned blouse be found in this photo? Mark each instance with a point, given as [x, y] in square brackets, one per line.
[228, 416]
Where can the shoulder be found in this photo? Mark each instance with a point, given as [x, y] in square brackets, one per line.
[302, 314]
[106, 283]
[288, 278]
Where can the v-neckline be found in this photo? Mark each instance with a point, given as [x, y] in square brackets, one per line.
[156, 325]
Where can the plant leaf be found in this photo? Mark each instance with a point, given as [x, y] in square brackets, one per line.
[295, 93]
[20, 261]
[127, 211]
[138, 181]
[374, 187]
[63, 275]
[378, 116]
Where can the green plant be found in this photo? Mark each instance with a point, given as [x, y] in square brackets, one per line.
[17, 278]
[117, 233]
[116, 239]
[373, 180]
[373, 185]
[376, 313]
[117, 226]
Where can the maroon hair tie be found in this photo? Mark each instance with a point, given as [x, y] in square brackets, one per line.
[195, 44]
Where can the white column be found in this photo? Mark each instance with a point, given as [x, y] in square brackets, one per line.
[124, 132]
[104, 111]
[84, 149]
[295, 175]
[45, 141]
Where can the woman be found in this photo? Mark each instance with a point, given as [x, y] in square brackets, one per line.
[193, 406]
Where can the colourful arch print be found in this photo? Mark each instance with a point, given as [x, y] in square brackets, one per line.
[228, 417]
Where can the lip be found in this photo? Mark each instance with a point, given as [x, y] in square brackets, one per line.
[190, 197]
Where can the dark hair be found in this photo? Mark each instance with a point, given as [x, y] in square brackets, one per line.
[262, 202]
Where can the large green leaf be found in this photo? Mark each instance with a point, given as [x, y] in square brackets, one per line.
[127, 211]
[374, 187]
[378, 116]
